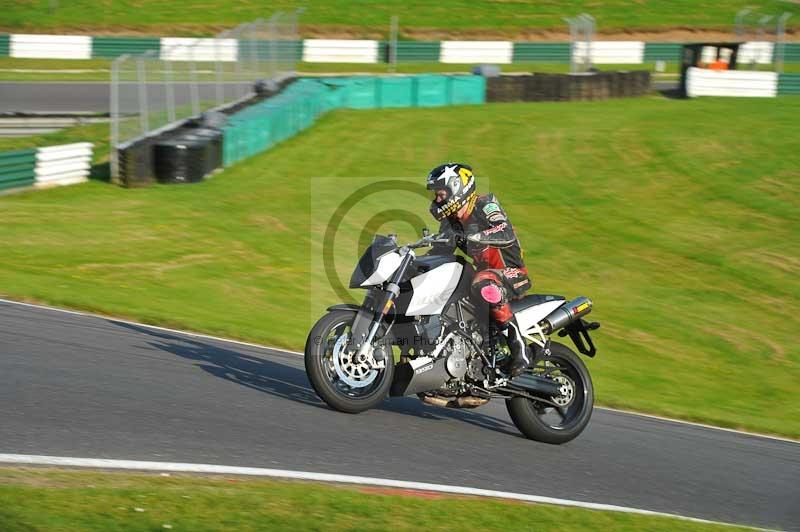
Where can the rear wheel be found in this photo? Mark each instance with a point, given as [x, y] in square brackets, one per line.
[340, 380]
[547, 423]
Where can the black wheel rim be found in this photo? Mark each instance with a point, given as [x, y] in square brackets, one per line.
[561, 417]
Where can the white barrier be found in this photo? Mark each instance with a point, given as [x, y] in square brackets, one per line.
[51, 46]
[189, 49]
[704, 82]
[476, 52]
[758, 51]
[63, 165]
[340, 51]
[610, 52]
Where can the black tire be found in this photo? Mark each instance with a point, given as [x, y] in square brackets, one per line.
[529, 416]
[338, 395]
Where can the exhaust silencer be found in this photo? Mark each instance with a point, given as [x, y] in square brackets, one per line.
[566, 314]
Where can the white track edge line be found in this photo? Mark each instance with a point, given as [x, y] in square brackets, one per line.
[178, 467]
[282, 350]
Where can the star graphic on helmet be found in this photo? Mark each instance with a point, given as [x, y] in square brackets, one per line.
[450, 171]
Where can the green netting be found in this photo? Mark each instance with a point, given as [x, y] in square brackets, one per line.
[431, 90]
[363, 93]
[396, 91]
[261, 126]
[467, 90]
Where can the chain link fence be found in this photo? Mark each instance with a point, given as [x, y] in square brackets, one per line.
[157, 90]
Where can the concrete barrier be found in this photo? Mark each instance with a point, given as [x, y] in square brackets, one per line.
[66, 164]
[500, 52]
[704, 82]
[51, 46]
[610, 52]
[188, 49]
[340, 51]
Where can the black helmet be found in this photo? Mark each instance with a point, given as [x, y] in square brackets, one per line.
[459, 183]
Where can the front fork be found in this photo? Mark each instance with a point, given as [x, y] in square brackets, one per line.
[375, 307]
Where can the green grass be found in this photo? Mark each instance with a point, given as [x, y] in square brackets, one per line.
[195, 16]
[37, 499]
[678, 218]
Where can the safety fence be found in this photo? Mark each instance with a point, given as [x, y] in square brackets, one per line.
[259, 127]
[173, 79]
[191, 152]
[705, 82]
[376, 51]
[66, 164]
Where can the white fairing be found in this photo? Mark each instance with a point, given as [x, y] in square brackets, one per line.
[528, 318]
[432, 289]
[387, 265]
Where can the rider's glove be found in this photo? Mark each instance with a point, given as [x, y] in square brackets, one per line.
[456, 239]
[474, 244]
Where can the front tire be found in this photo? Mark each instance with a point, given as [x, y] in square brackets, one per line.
[542, 422]
[322, 372]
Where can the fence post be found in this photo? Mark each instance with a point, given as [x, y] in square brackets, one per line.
[169, 82]
[393, 43]
[740, 16]
[572, 46]
[142, 81]
[780, 42]
[115, 113]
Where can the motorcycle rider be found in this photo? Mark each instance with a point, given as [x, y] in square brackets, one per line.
[480, 227]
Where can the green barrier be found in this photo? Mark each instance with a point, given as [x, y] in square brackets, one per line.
[396, 91]
[418, 51]
[467, 90]
[788, 84]
[791, 53]
[431, 90]
[662, 51]
[363, 93]
[541, 52]
[17, 169]
[5, 45]
[259, 127]
[117, 46]
[284, 51]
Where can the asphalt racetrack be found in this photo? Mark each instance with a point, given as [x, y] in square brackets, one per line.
[91, 387]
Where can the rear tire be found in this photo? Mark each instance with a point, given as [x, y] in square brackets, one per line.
[530, 416]
[319, 367]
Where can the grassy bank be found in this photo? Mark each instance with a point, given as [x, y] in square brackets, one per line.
[679, 218]
[359, 16]
[36, 499]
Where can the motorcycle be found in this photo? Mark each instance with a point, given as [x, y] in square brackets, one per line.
[417, 332]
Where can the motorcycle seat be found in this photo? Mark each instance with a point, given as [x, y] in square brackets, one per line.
[530, 300]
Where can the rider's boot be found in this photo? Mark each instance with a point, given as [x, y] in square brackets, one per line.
[521, 357]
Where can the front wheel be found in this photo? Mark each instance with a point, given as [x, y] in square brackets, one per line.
[547, 423]
[339, 380]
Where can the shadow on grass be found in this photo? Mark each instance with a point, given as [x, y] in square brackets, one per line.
[287, 381]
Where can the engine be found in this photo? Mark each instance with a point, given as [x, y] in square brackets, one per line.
[445, 373]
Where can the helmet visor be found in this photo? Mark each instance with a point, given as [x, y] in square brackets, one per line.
[439, 196]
